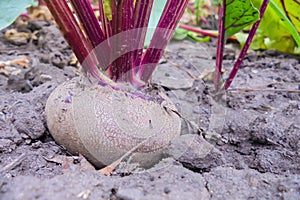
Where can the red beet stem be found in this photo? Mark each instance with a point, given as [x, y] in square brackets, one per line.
[171, 15]
[243, 52]
[220, 45]
[121, 38]
[203, 32]
[74, 36]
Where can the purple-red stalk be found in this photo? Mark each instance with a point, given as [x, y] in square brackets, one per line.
[220, 46]
[143, 11]
[89, 21]
[87, 18]
[203, 32]
[122, 67]
[128, 16]
[104, 20]
[163, 33]
[243, 52]
[72, 33]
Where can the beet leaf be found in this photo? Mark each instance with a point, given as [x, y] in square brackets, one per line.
[11, 9]
[284, 16]
[239, 14]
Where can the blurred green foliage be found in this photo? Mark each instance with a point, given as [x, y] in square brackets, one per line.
[11, 9]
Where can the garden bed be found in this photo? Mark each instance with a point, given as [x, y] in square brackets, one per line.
[253, 132]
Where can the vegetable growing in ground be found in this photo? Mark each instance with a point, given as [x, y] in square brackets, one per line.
[113, 110]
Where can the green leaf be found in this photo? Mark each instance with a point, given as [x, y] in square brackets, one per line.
[239, 14]
[281, 33]
[279, 9]
[11, 9]
[258, 42]
[107, 9]
[157, 10]
[180, 34]
[291, 10]
[195, 37]
[284, 44]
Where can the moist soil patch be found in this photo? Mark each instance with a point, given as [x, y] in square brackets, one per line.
[242, 144]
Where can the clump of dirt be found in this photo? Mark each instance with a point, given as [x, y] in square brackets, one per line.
[240, 145]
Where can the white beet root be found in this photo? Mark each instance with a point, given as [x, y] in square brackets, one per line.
[103, 124]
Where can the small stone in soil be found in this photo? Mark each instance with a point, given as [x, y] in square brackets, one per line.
[167, 190]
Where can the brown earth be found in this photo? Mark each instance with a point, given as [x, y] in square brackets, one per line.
[251, 147]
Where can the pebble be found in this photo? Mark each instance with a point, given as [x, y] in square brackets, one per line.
[287, 68]
[167, 190]
[36, 145]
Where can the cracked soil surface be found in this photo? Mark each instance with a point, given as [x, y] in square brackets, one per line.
[249, 147]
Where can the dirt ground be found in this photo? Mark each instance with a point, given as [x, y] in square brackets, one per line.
[251, 148]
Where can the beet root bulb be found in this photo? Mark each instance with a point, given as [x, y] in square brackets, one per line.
[103, 124]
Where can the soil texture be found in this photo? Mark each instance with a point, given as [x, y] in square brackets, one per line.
[242, 144]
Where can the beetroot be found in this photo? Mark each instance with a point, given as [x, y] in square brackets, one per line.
[106, 119]
[111, 123]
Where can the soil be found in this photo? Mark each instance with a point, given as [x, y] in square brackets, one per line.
[242, 144]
